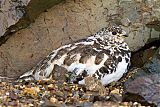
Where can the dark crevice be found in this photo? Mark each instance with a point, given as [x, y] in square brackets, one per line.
[139, 58]
[127, 97]
[155, 43]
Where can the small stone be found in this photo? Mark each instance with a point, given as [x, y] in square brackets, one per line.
[116, 98]
[33, 91]
[36, 89]
[115, 91]
[41, 102]
[50, 86]
[94, 84]
[135, 103]
[64, 83]
[13, 96]
[53, 100]
[31, 105]
[12, 103]
[125, 104]
[89, 97]
[22, 86]
[105, 104]
[7, 93]
[85, 104]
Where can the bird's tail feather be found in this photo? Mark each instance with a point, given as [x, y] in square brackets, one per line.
[26, 76]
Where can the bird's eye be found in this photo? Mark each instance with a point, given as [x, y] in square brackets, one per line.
[114, 33]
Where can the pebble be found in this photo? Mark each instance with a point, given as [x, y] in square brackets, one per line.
[50, 86]
[52, 94]
[31, 105]
[115, 91]
[53, 100]
[7, 93]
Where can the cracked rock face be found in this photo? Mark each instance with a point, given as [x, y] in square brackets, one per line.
[10, 13]
[75, 19]
[18, 14]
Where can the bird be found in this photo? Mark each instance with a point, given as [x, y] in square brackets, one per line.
[104, 55]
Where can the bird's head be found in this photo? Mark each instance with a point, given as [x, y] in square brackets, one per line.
[116, 32]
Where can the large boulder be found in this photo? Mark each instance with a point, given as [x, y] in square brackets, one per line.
[146, 82]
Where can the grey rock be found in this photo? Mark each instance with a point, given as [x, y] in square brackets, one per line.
[146, 82]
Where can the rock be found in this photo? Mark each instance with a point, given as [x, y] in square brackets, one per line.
[88, 96]
[48, 103]
[33, 91]
[53, 100]
[31, 105]
[13, 96]
[94, 84]
[85, 104]
[115, 91]
[116, 98]
[146, 82]
[51, 86]
[115, 95]
[18, 14]
[153, 66]
[141, 57]
[105, 104]
[59, 74]
[73, 20]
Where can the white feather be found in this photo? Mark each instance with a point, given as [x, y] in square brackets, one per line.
[115, 76]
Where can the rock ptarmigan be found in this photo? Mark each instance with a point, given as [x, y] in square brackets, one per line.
[104, 55]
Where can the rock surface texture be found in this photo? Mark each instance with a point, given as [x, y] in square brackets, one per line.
[75, 19]
[146, 82]
[10, 13]
[18, 14]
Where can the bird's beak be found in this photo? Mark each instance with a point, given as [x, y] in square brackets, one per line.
[124, 34]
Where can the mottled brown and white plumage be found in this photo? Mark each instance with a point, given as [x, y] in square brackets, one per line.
[103, 55]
